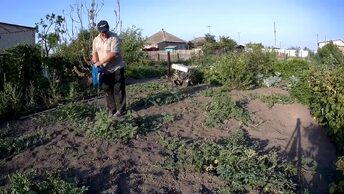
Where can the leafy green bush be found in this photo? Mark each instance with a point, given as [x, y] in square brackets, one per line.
[11, 102]
[45, 183]
[239, 70]
[292, 67]
[338, 187]
[260, 63]
[328, 101]
[61, 66]
[331, 55]
[236, 160]
[231, 70]
[21, 66]
[302, 90]
[132, 45]
[138, 71]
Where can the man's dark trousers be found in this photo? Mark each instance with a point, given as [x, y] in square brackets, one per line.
[114, 87]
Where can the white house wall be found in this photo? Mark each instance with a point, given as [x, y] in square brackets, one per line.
[293, 53]
[9, 40]
[335, 42]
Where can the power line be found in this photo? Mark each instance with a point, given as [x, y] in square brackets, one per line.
[239, 36]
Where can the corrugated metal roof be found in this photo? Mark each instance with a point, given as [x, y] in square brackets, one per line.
[6, 28]
[163, 36]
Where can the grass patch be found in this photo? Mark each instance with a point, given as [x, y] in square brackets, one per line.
[48, 182]
[273, 99]
[237, 161]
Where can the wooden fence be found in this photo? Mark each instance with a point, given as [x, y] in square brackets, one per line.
[175, 56]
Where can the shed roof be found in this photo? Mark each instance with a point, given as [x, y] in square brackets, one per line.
[6, 28]
[163, 36]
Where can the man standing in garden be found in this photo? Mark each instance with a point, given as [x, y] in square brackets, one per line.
[106, 53]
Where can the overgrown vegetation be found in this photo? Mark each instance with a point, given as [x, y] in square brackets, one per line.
[149, 88]
[273, 99]
[97, 122]
[338, 187]
[158, 99]
[139, 70]
[221, 107]
[45, 183]
[237, 160]
[327, 101]
[330, 55]
[239, 70]
[10, 144]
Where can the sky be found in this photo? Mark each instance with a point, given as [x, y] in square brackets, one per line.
[299, 23]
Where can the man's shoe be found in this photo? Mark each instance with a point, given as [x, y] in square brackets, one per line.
[118, 114]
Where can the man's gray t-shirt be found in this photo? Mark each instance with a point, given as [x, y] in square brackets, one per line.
[102, 47]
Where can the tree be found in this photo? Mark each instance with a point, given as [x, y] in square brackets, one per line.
[330, 55]
[132, 45]
[210, 46]
[50, 32]
[210, 38]
[227, 44]
[255, 46]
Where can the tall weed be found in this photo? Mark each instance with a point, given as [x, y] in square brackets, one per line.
[11, 103]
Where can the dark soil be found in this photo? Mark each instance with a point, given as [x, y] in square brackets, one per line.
[136, 166]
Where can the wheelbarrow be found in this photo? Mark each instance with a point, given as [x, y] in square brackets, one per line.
[183, 74]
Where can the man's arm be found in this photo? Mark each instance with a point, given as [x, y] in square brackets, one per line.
[95, 57]
[109, 57]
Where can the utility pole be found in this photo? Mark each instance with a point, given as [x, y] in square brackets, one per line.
[239, 37]
[275, 33]
[209, 26]
[92, 13]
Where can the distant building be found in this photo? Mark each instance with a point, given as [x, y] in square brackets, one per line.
[198, 42]
[339, 43]
[163, 39]
[12, 34]
[293, 52]
[283, 53]
[239, 48]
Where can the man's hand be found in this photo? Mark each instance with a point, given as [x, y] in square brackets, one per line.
[98, 63]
